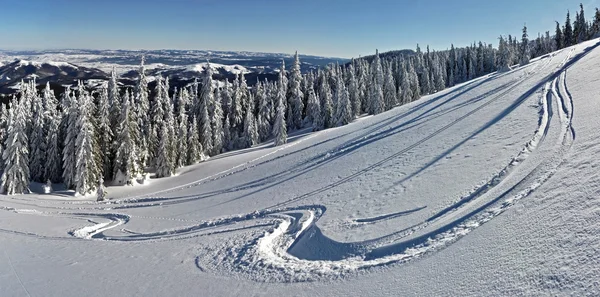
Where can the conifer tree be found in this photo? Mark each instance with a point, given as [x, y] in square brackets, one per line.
[70, 107]
[104, 132]
[37, 139]
[142, 107]
[250, 135]
[524, 53]
[182, 129]
[326, 101]
[264, 116]
[279, 128]
[156, 117]
[568, 31]
[217, 125]
[164, 166]
[558, 37]
[126, 158]
[87, 169]
[353, 90]
[15, 157]
[389, 91]
[344, 108]
[206, 99]
[313, 112]
[376, 86]
[295, 95]
[194, 148]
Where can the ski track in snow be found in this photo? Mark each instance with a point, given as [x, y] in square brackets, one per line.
[293, 248]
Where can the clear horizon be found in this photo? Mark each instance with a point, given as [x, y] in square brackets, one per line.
[343, 29]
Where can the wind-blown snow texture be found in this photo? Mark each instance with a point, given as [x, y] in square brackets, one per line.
[488, 188]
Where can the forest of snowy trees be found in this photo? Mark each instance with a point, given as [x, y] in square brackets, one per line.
[120, 135]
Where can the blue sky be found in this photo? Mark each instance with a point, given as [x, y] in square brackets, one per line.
[337, 28]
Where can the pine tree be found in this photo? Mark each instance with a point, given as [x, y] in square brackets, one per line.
[194, 148]
[15, 157]
[295, 95]
[164, 166]
[250, 134]
[313, 112]
[181, 130]
[70, 107]
[264, 116]
[503, 55]
[37, 139]
[126, 158]
[217, 125]
[344, 108]
[376, 86]
[353, 90]
[389, 91]
[568, 31]
[279, 128]
[325, 99]
[87, 169]
[235, 111]
[524, 53]
[582, 30]
[157, 116]
[169, 120]
[104, 132]
[595, 24]
[141, 109]
[206, 99]
[558, 37]
[227, 139]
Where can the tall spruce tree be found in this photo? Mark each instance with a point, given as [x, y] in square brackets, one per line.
[15, 157]
[295, 95]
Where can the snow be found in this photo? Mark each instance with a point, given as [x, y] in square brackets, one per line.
[38, 64]
[488, 188]
[234, 69]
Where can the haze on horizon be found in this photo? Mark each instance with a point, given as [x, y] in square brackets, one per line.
[333, 28]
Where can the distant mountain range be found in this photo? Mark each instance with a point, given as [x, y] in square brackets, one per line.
[65, 67]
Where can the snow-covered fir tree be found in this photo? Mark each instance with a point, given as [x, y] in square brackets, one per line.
[326, 100]
[376, 101]
[524, 51]
[389, 89]
[313, 108]
[194, 147]
[295, 95]
[37, 138]
[70, 107]
[87, 150]
[206, 100]
[217, 124]
[263, 121]
[104, 132]
[344, 108]
[250, 134]
[279, 128]
[126, 164]
[182, 129]
[142, 107]
[353, 90]
[15, 157]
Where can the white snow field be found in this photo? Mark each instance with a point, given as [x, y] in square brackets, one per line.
[489, 188]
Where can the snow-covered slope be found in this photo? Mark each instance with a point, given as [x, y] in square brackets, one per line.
[488, 188]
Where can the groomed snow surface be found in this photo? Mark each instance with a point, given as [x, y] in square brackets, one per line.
[488, 188]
